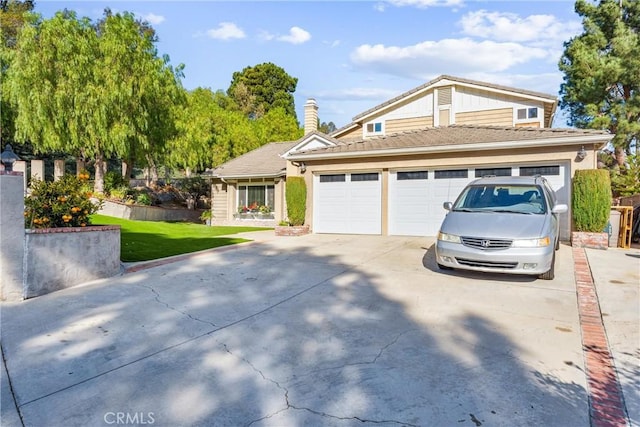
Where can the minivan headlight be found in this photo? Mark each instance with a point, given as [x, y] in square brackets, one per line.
[445, 237]
[532, 243]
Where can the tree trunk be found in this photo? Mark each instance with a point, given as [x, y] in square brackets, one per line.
[187, 172]
[621, 156]
[101, 166]
[152, 172]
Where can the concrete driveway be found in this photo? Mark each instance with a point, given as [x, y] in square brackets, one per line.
[315, 330]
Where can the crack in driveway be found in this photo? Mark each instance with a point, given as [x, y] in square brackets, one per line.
[157, 297]
[179, 344]
[290, 406]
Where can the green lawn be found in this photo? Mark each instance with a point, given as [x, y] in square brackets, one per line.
[147, 240]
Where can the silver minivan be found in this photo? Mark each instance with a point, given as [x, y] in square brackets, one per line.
[502, 224]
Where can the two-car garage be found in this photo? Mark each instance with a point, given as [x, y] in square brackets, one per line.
[353, 203]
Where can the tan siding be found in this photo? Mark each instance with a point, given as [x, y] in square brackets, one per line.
[498, 117]
[355, 133]
[399, 125]
[219, 201]
[528, 125]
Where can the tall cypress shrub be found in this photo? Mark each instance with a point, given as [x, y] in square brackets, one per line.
[591, 200]
[296, 194]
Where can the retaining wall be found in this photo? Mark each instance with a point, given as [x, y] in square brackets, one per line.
[59, 258]
[148, 213]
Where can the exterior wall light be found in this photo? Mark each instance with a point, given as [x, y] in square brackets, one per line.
[8, 158]
[582, 153]
[303, 167]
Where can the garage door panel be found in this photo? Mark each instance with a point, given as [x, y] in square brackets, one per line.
[349, 207]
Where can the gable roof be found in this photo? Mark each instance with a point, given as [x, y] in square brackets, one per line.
[455, 138]
[316, 136]
[445, 79]
[263, 162]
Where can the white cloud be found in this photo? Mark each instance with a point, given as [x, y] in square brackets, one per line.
[447, 56]
[153, 19]
[296, 36]
[423, 4]
[357, 93]
[379, 7]
[334, 43]
[502, 26]
[226, 31]
[266, 36]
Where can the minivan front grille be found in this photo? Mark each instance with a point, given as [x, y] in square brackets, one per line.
[486, 264]
[480, 243]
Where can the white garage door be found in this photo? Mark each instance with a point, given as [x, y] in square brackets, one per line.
[348, 203]
[558, 176]
[416, 197]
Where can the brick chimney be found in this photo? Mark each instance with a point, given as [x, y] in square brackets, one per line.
[310, 116]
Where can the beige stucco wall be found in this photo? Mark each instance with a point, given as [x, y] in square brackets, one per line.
[562, 154]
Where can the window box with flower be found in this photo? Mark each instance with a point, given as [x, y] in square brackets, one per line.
[254, 211]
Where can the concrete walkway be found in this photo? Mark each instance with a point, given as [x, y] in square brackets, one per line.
[317, 330]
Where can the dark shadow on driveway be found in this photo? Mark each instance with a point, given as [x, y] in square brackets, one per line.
[266, 335]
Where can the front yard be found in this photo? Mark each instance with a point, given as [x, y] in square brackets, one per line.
[148, 240]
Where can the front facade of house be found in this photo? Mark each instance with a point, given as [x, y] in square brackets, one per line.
[390, 170]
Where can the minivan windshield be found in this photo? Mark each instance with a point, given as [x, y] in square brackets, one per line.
[519, 199]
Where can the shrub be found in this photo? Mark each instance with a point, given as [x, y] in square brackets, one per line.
[296, 194]
[143, 199]
[591, 200]
[62, 203]
[626, 180]
[120, 193]
[112, 181]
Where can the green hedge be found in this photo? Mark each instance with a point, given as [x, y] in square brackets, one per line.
[296, 194]
[591, 200]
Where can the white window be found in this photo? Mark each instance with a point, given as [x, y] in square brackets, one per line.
[374, 128]
[527, 113]
[255, 196]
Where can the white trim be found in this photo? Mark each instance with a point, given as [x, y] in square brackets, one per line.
[306, 141]
[250, 176]
[484, 146]
[446, 82]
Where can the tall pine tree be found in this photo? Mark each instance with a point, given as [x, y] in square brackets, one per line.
[601, 67]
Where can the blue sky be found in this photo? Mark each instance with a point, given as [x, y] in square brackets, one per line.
[353, 55]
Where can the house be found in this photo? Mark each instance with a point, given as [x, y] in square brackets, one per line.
[389, 171]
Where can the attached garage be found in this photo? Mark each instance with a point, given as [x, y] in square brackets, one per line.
[396, 185]
[416, 197]
[348, 203]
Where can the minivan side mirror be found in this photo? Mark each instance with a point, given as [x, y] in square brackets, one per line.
[559, 209]
[447, 205]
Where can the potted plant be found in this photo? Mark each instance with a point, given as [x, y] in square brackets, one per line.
[591, 205]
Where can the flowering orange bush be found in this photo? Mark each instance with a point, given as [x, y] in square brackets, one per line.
[62, 203]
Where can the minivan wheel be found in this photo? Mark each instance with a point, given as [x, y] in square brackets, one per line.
[549, 275]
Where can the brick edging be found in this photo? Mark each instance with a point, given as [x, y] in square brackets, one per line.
[606, 402]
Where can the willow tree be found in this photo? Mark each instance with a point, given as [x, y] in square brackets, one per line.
[95, 90]
[192, 146]
[601, 67]
[12, 17]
